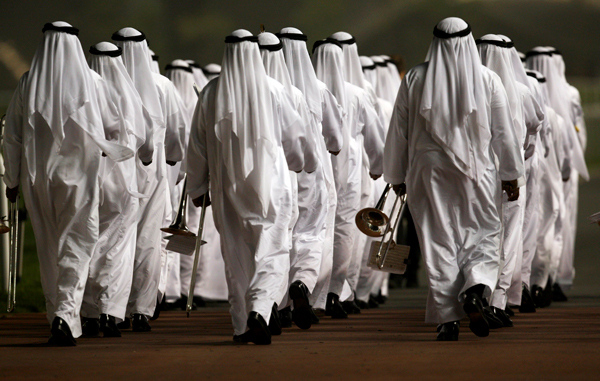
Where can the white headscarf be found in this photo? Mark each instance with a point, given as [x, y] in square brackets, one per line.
[60, 86]
[198, 73]
[328, 61]
[385, 86]
[154, 62]
[244, 114]
[516, 62]
[496, 56]
[135, 58]
[180, 73]
[301, 70]
[369, 70]
[544, 60]
[352, 68]
[454, 97]
[211, 71]
[394, 74]
[106, 61]
[272, 56]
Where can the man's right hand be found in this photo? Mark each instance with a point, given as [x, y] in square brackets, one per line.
[198, 200]
[512, 189]
[12, 193]
[400, 189]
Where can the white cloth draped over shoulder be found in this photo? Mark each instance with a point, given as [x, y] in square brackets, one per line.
[453, 100]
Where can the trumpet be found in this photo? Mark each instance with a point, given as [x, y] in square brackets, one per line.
[179, 226]
[371, 221]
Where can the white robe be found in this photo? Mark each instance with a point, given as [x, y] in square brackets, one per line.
[331, 129]
[152, 180]
[111, 269]
[549, 240]
[62, 202]
[459, 238]
[361, 124]
[513, 212]
[255, 247]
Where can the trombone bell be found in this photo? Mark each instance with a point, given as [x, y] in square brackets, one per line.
[371, 221]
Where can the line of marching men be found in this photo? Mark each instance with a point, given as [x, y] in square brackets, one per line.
[285, 149]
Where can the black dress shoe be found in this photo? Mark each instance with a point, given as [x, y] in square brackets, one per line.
[139, 323]
[314, 319]
[509, 310]
[108, 326]
[274, 323]
[547, 293]
[90, 327]
[350, 307]
[60, 334]
[334, 308]
[285, 317]
[259, 331]
[302, 312]
[379, 298]
[527, 303]
[502, 316]
[557, 294]
[243, 338]
[448, 331]
[362, 305]
[537, 294]
[125, 324]
[373, 302]
[474, 309]
[493, 321]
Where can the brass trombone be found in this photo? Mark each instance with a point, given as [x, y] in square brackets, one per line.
[13, 254]
[371, 221]
[179, 226]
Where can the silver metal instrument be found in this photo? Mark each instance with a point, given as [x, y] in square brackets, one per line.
[190, 298]
[395, 257]
[179, 226]
[13, 254]
[371, 221]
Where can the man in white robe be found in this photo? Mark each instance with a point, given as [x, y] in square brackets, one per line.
[111, 269]
[165, 119]
[327, 114]
[353, 74]
[308, 231]
[211, 71]
[361, 123]
[548, 61]
[451, 116]
[245, 134]
[53, 140]
[496, 55]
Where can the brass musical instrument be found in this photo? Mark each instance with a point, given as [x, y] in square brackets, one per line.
[179, 226]
[13, 254]
[395, 257]
[199, 243]
[371, 221]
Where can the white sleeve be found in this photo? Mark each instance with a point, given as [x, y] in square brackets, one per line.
[292, 132]
[197, 155]
[332, 122]
[371, 131]
[395, 155]
[173, 112]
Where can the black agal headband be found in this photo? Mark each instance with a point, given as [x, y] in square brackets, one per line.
[110, 53]
[235, 39]
[139, 38]
[65, 29]
[461, 33]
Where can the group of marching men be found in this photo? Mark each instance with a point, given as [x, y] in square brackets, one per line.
[283, 150]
